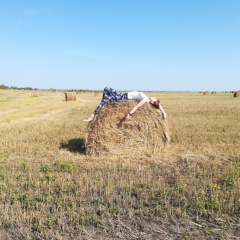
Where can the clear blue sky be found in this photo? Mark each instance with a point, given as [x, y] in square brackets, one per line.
[159, 45]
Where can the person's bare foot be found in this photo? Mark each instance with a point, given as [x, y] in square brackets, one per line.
[89, 119]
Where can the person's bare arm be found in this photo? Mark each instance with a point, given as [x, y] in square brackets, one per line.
[134, 109]
[164, 115]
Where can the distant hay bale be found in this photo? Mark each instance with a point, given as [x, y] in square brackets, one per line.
[236, 94]
[70, 96]
[35, 94]
[214, 92]
[146, 133]
[96, 94]
[205, 93]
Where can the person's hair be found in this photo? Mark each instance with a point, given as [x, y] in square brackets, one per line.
[156, 104]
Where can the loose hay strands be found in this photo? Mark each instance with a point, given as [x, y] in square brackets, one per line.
[146, 133]
[70, 96]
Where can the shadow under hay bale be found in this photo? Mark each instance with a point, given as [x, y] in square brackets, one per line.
[146, 133]
[70, 96]
[236, 94]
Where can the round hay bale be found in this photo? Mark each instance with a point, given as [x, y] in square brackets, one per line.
[34, 94]
[146, 133]
[214, 92]
[70, 96]
[236, 94]
[96, 94]
[205, 93]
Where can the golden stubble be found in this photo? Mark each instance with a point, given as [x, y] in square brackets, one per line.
[49, 185]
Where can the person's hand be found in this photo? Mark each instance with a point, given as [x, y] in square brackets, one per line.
[164, 116]
[127, 117]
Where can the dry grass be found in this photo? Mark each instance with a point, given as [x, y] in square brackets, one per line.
[50, 189]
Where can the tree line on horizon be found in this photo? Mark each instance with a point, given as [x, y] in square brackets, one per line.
[2, 86]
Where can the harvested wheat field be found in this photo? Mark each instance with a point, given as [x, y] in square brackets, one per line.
[144, 134]
[123, 183]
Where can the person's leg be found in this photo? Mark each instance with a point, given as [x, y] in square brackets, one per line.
[108, 95]
[110, 92]
[112, 95]
[118, 97]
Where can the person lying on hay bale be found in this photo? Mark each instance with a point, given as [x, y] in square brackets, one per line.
[110, 95]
